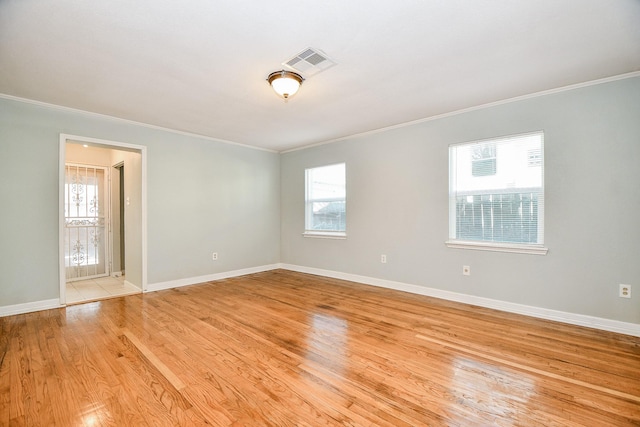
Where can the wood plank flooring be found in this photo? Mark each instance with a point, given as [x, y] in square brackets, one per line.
[288, 349]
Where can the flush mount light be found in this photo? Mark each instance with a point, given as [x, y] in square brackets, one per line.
[285, 83]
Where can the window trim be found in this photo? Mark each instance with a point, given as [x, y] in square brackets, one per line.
[339, 235]
[322, 234]
[508, 247]
[497, 247]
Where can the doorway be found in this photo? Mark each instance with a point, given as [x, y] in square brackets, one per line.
[103, 219]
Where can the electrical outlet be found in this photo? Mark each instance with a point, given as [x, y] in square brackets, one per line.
[383, 259]
[214, 256]
[466, 270]
[625, 291]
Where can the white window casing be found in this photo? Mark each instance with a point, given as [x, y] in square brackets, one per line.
[496, 194]
[325, 201]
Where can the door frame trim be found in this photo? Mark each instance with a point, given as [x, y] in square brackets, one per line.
[103, 143]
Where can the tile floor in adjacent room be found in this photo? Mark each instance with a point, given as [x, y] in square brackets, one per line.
[98, 288]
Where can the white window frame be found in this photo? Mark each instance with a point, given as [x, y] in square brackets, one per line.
[513, 247]
[308, 209]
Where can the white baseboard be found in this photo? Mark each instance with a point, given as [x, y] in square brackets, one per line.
[128, 283]
[209, 277]
[527, 310]
[632, 329]
[28, 307]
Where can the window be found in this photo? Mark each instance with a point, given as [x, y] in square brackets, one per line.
[325, 201]
[496, 194]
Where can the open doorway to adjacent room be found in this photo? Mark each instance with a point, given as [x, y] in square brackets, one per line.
[103, 219]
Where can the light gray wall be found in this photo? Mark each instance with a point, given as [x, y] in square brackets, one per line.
[211, 197]
[202, 196]
[248, 205]
[397, 204]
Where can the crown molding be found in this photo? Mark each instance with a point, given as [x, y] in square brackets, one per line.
[467, 110]
[127, 121]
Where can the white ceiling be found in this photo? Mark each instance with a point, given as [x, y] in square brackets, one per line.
[200, 66]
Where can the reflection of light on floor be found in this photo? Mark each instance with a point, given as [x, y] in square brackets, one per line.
[489, 391]
[83, 312]
[95, 416]
[90, 420]
[327, 342]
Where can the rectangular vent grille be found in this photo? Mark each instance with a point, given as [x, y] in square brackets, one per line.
[309, 62]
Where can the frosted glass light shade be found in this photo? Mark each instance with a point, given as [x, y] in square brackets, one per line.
[285, 83]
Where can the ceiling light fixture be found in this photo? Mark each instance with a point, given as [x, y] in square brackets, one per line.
[285, 83]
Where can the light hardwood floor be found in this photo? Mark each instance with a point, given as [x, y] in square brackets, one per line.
[288, 349]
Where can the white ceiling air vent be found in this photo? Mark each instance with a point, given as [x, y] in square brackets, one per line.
[309, 62]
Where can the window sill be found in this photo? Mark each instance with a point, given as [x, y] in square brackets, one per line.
[497, 247]
[325, 234]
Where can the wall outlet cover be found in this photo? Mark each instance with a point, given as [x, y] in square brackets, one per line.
[625, 291]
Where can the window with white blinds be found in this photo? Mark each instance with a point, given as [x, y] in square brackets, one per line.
[496, 194]
[325, 201]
